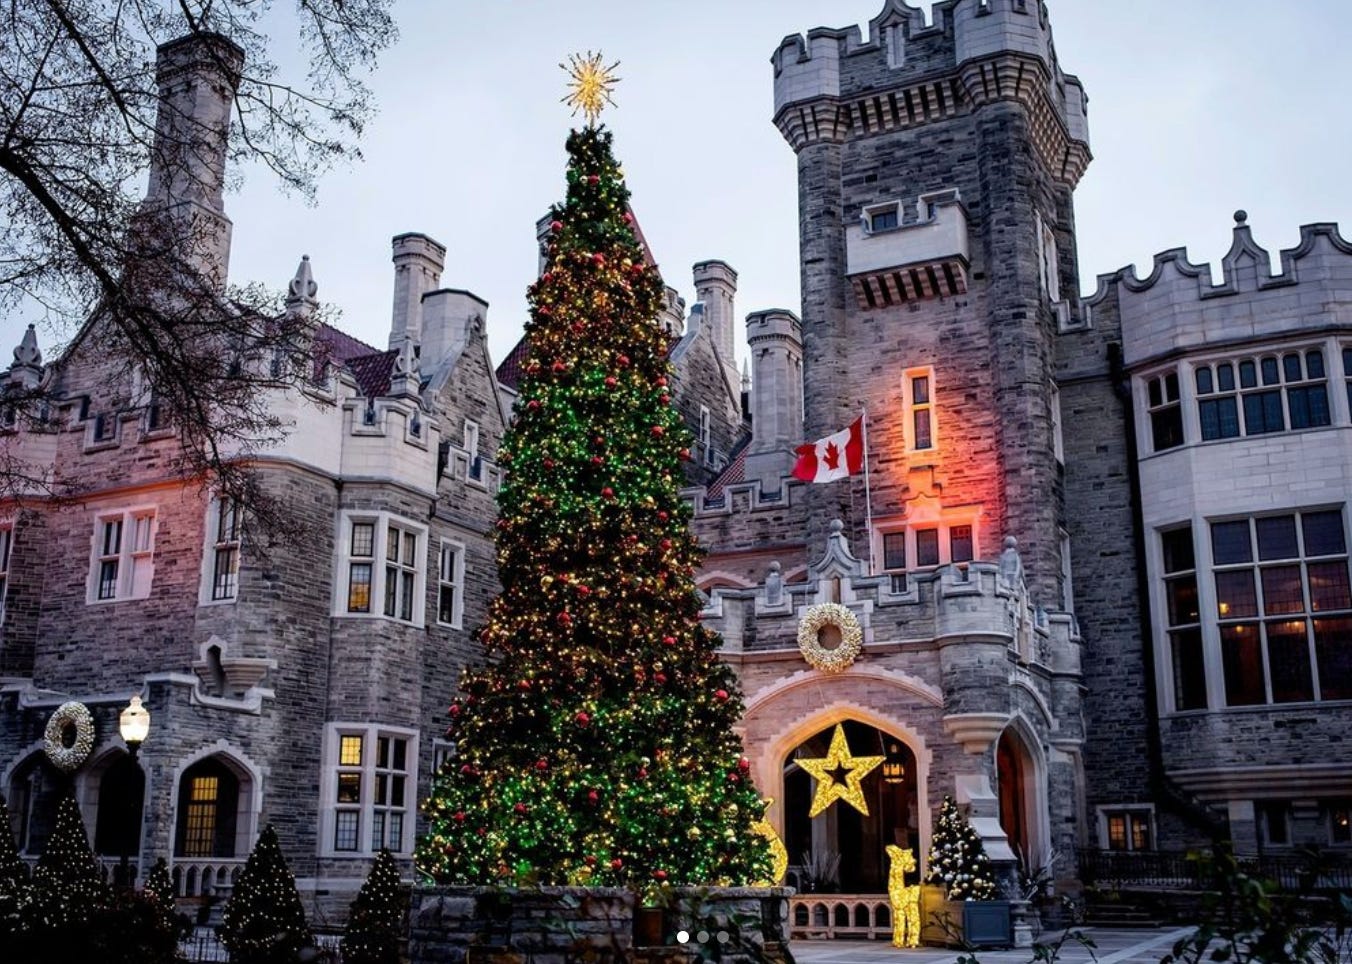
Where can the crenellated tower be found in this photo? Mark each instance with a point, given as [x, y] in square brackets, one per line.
[936, 161]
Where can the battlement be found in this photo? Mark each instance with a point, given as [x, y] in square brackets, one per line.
[825, 71]
[1179, 305]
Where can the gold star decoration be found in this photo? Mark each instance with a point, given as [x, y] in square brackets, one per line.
[838, 762]
[779, 854]
[589, 84]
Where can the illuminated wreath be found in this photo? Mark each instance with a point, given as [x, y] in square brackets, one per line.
[820, 617]
[69, 736]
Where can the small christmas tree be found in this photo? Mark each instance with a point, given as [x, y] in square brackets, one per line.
[957, 857]
[15, 887]
[597, 744]
[376, 919]
[159, 886]
[69, 888]
[263, 921]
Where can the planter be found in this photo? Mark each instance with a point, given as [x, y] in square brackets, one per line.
[940, 918]
[987, 923]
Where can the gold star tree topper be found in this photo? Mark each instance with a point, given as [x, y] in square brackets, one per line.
[825, 770]
[589, 84]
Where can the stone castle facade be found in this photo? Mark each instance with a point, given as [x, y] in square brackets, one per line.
[1099, 561]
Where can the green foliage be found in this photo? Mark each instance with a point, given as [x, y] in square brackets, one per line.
[958, 858]
[1245, 919]
[376, 919]
[596, 744]
[263, 921]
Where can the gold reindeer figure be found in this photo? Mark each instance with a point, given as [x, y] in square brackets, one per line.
[905, 900]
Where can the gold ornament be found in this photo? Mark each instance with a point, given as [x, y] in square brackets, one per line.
[905, 900]
[825, 769]
[69, 736]
[779, 854]
[589, 84]
[845, 622]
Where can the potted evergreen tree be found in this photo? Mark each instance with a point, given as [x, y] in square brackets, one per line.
[263, 921]
[963, 890]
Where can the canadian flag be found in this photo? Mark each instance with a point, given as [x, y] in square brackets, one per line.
[833, 457]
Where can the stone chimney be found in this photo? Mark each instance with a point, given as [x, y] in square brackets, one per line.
[197, 78]
[716, 288]
[418, 261]
[448, 318]
[775, 341]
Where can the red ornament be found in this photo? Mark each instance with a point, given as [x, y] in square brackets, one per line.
[542, 764]
[520, 808]
[662, 516]
[616, 864]
[547, 276]
[628, 218]
[658, 431]
[622, 361]
[659, 875]
[744, 764]
[664, 398]
[721, 695]
[597, 460]
[684, 455]
[455, 709]
[660, 679]
[593, 179]
[611, 381]
[734, 778]
[593, 797]
[661, 381]
[582, 718]
[533, 404]
[665, 544]
[599, 258]
[607, 493]
[589, 860]
[459, 816]
[565, 618]
[584, 590]
[548, 463]
[556, 225]
[524, 684]
[669, 640]
[560, 366]
[643, 773]
[468, 770]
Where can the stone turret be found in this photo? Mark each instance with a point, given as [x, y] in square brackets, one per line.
[775, 341]
[197, 78]
[418, 262]
[716, 289]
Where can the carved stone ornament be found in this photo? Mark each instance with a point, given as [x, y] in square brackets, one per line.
[830, 616]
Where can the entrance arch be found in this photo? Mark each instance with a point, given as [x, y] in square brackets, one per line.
[1021, 782]
[843, 849]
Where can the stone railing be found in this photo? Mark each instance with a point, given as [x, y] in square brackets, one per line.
[205, 876]
[828, 916]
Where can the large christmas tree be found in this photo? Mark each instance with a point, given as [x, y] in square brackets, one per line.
[596, 745]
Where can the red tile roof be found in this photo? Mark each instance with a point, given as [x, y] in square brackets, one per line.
[734, 472]
[370, 366]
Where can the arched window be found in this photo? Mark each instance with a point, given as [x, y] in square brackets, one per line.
[208, 806]
[122, 788]
[33, 793]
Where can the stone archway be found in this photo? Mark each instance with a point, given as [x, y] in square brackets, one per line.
[792, 710]
[1021, 784]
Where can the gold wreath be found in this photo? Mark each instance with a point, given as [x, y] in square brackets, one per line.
[851, 637]
[67, 715]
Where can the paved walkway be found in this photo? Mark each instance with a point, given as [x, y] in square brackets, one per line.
[1112, 947]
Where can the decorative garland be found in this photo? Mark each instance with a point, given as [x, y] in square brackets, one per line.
[818, 618]
[71, 720]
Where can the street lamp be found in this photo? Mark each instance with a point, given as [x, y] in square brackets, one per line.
[134, 725]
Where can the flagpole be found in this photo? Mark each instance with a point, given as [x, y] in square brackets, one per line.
[868, 499]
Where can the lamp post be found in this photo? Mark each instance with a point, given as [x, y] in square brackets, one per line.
[134, 725]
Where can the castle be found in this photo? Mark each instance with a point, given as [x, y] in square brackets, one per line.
[1094, 584]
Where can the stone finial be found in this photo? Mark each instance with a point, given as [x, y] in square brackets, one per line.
[746, 375]
[27, 355]
[301, 289]
[1011, 565]
[774, 584]
[1241, 217]
[406, 378]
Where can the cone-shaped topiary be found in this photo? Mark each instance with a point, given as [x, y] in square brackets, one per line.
[263, 921]
[69, 888]
[15, 887]
[958, 858]
[160, 886]
[376, 919]
[596, 745]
